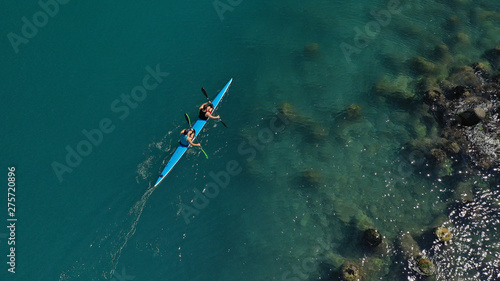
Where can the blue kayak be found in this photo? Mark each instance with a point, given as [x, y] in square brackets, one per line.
[198, 126]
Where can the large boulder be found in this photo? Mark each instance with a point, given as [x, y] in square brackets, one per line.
[443, 234]
[465, 76]
[431, 91]
[472, 117]
[425, 266]
[493, 56]
[458, 92]
[372, 237]
[482, 69]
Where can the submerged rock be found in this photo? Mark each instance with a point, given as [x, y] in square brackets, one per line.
[465, 104]
[464, 192]
[452, 147]
[486, 15]
[442, 54]
[318, 132]
[351, 271]
[462, 38]
[362, 221]
[493, 56]
[419, 128]
[396, 88]
[311, 50]
[431, 91]
[425, 266]
[393, 61]
[439, 220]
[439, 155]
[443, 234]
[465, 76]
[452, 23]
[375, 266]
[353, 111]
[433, 95]
[288, 110]
[445, 168]
[334, 259]
[408, 246]
[372, 237]
[311, 178]
[482, 69]
[344, 210]
[446, 85]
[426, 145]
[423, 66]
[293, 115]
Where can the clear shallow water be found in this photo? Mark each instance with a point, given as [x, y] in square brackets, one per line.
[105, 217]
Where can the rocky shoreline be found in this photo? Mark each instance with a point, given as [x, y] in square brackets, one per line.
[464, 103]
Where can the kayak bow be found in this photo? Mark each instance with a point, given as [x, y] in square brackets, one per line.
[198, 126]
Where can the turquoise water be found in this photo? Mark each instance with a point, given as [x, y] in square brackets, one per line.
[304, 191]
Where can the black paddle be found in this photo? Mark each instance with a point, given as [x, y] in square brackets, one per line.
[189, 122]
[206, 95]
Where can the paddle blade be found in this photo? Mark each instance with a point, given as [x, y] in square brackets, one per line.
[187, 119]
[204, 92]
[204, 152]
[223, 123]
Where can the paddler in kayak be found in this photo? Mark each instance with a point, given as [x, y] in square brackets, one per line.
[206, 110]
[187, 136]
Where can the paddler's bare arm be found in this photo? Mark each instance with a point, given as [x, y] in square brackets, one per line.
[213, 117]
[201, 107]
[192, 143]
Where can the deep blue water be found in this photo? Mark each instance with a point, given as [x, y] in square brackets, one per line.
[101, 219]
